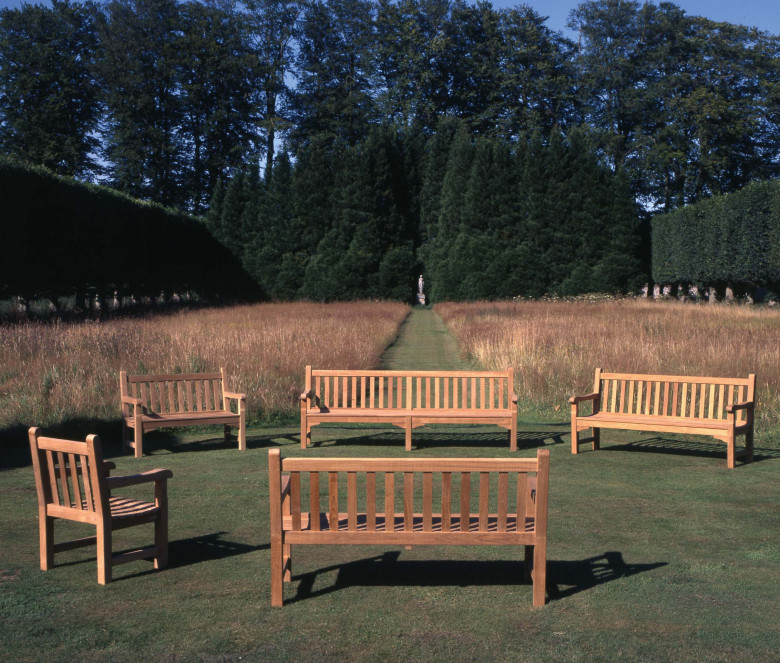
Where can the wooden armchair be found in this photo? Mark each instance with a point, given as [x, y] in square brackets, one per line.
[73, 484]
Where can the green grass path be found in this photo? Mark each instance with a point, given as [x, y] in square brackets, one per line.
[423, 343]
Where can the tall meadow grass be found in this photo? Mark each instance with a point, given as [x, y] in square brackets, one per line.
[53, 372]
[555, 346]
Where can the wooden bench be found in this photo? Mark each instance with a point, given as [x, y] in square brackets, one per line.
[371, 518]
[409, 399]
[720, 407]
[181, 399]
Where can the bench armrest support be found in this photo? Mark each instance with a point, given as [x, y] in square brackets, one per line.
[135, 479]
[747, 405]
[574, 400]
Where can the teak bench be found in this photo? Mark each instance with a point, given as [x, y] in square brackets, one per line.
[181, 399]
[720, 407]
[521, 485]
[409, 399]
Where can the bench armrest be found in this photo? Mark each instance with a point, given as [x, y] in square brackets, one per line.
[131, 400]
[311, 395]
[513, 398]
[747, 405]
[586, 397]
[234, 395]
[134, 479]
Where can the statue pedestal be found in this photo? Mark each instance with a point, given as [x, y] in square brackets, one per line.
[421, 298]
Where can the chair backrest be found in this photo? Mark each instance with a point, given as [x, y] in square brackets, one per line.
[178, 393]
[687, 397]
[434, 390]
[70, 477]
[511, 490]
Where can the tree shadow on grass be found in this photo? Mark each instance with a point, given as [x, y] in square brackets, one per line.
[432, 439]
[564, 578]
[678, 447]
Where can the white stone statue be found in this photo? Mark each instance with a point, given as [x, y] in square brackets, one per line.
[420, 285]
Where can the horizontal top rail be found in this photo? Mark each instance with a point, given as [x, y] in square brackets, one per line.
[414, 374]
[691, 379]
[410, 465]
[174, 377]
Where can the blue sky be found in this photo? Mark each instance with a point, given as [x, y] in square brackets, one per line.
[764, 14]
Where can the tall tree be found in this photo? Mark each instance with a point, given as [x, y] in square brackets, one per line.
[140, 63]
[48, 94]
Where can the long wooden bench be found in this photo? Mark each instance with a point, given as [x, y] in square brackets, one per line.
[180, 399]
[511, 499]
[693, 405]
[409, 399]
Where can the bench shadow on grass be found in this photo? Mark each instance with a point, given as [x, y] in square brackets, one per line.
[206, 548]
[432, 439]
[680, 447]
[564, 578]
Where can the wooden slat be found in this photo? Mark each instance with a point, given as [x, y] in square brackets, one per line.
[145, 395]
[314, 500]
[190, 401]
[372, 392]
[437, 392]
[446, 392]
[381, 392]
[432, 464]
[631, 397]
[362, 391]
[333, 500]
[492, 398]
[666, 399]
[721, 404]
[702, 398]
[371, 501]
[622, 396]
[501, 394]
[408, 501]
[133, 379]
[63, 476]
[522, 490]
[446, 500]
[326, 401]
[389, 502]
[675, 393]
[427, 500]
[86, 478]
[50, 463]
[465, 500]
[171, 397]
[418, 387]
[614, 394]
[428, 393]
[295, 500]
[649, 389]
[657, 401]
[711, 408]
[484, 496]
[345, 391]
[455, 385]
[503, 500]
[352, 501]
[198, 397]
[473, 393]
[74, 481]
[208, 399]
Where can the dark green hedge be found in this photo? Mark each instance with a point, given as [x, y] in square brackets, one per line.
[732, 240]
[60, 237]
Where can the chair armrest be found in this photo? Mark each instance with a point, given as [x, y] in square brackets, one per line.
[747, 405]
[234, 395]
[513, 398]
[134, 479]
[310, 394]
[586, 397]
[109, 465]
[131, 400]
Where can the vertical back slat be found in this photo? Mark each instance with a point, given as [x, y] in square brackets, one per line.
[721, 404]
[381, 392]
[144, 395]
[208, 399]
[171, 396]
[428, 393]
[623, 396]
[371, 501]
[352, 501]
[427, 501]
[473, 393]
[465, 501]
[648, 392]
[522, 495]
[418, 395]
[55, 492]
[354, 391]
[666, 399]
[372, 392]
[326, 400]
[362, 391]
[408, 501]
[657, 401]
[455, 382]
[446, 500]
[333, 500]
[447, 392]
[503, 500]
[63, 472]
[492, 398]
[501, 393]
[613, 400]
[630, 397]
[196, 385]
[314, 501]
[484, 497]
[78, 499]
[295, 500]
[86, 480]
[389, 502]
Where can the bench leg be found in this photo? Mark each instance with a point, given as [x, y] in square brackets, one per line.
[305, 434]
[730, 460]
[242, 429]
[596, 439]
[287, 562]
[513, 434]
[540, 575]
[227, 433]
[749, 446]
[529, 562]
[409, 434]
[139, 441]
[104, 553]
[575, 438]
[277, 570]
[161, 525]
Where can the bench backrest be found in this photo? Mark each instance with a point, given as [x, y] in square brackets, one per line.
[435, 390]
[511, 490]
[689, 397]
[69, 477]
[178, 393]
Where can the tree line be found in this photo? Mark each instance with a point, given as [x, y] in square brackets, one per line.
[162, 99]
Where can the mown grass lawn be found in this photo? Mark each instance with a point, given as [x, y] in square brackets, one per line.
[657, 553]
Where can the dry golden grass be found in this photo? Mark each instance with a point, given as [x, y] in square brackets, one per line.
[50, 373]
[555, 346]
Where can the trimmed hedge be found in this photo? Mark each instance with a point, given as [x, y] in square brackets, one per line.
[733, 240]
[61, 237]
